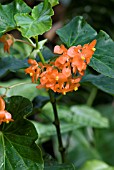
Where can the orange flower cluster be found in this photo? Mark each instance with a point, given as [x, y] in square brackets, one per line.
[64, 74]
[4, 115]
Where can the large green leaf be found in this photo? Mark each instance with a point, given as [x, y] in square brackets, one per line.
[103, 58]
[79, 116]
[102, 82]
[46, 131]
[81, 149]
[76, 32]
[7, 13]
[17, 139]
[38, 22]
[22, 87]
[84, 116]
[79, 32]
[96, 165]
[11, 64]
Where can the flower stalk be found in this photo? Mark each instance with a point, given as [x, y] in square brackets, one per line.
[57, 126]
[56, 118]
[39, 52]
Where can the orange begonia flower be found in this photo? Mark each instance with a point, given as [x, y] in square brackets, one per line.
[60, 49]
[64, 74]
[33, 70]
[74, 50]
[8, 41]
[4, 115]
[88, 50]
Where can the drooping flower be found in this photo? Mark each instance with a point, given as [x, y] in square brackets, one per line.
[8, 41]
[4, 115]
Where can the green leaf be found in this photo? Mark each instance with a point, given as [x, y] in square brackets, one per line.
[80, 149]
[7, 13]
[40, 47]
[84, 116]
[53, 2]
[102, 82]
[51, 164]
[37, 23]
[96, 165]
[40, 101]
[17, 139]
[46, 131]
[47, 53]
[77, 31]
[24, 88]
[79, 116]
[11, 64]
[60, 167]
[104, 137]
[103, 58]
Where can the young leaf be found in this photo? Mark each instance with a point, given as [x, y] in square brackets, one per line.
[102, 82]
[7, 13]
[17, 139]
[37, 23]
[53, 2]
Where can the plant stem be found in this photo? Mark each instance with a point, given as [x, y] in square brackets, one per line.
[56, 118]
[39, 52]
[31, 44]
[57, 126]
[92, 96]
[89, 130]
[41, 57]
[12, 86]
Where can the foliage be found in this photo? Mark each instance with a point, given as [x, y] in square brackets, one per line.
[31, 117]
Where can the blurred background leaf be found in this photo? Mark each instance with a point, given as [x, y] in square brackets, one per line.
[96, 165]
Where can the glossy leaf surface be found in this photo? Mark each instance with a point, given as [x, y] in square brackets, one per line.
[7, 13]
[102, 82]
[11, 64]
[17, 139]
[38, 22]
[78, 31]
[103, 58]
